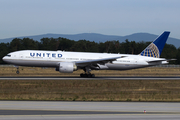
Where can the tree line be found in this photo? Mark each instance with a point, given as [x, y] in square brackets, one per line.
[53, 44]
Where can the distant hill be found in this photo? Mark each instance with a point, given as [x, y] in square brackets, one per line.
[137, 37]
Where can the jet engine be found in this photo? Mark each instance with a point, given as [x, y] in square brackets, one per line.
[66, 67]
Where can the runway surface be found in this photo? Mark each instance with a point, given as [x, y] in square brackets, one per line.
[18, 110]
[96, 78]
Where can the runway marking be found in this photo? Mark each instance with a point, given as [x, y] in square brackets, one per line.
[64, 112]
[84, 106]
[90, 110]
[86, 115]
[83, 115]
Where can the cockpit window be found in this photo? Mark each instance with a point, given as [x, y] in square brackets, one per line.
[8, 55]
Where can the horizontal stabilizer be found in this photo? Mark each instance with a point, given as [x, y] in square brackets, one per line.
[170, 59]
[160, 60]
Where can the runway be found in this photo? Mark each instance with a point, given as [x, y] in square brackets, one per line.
[96, 78]
[46, 112]
[55, 110]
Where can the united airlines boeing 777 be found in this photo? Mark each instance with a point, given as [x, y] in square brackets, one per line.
[67, 62]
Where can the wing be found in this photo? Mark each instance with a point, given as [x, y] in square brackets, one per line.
[96, 61]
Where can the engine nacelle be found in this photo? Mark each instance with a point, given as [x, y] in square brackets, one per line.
[66, 67]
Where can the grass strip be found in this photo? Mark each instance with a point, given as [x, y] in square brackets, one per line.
[90, 90]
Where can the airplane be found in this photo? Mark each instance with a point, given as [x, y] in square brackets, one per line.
[68, 62]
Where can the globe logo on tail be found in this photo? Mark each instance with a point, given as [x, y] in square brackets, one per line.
[151, 51]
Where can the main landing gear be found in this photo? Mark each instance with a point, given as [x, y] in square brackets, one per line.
[87, 73]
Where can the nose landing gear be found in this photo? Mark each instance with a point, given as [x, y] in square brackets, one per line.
[17, 72]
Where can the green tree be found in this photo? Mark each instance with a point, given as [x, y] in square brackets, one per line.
[84, 46]
[29, 44]
[65, 44]
[133, 47]
[4, 50]
[45, 44]
[15, 45]
[127, 47]
[178, 56]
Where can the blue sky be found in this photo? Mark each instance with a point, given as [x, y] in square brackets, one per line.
[109, 17]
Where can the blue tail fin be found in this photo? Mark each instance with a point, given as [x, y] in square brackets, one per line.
[156, 47]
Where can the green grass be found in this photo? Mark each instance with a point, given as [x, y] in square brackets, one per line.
[90, 90]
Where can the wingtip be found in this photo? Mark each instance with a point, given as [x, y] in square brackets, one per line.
[170, 59]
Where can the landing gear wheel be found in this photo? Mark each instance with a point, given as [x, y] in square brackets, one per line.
[87, 75]
[17, 72]
[92, 75]
[81, 75]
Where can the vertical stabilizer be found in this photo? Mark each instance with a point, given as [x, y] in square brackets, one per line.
[156, 47]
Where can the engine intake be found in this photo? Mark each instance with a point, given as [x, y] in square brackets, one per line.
[66, 67]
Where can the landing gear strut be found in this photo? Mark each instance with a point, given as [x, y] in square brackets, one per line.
[87, 73]
[17, 72]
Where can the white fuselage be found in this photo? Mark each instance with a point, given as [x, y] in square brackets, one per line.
[39, 58]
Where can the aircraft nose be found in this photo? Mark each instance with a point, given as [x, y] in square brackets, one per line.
[4, 58]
